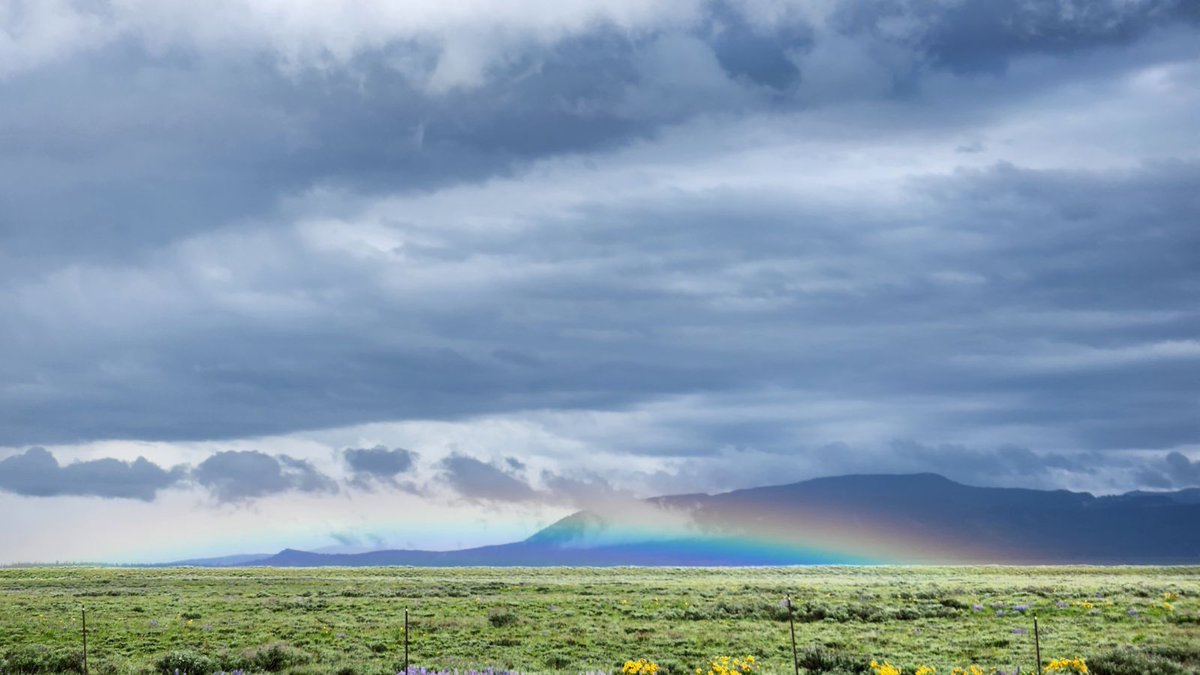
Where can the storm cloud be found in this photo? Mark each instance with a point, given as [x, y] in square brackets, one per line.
[36, 473]
[477, 480]
[378, 464]
[671, 246]
[241, 475]
[1174, 470]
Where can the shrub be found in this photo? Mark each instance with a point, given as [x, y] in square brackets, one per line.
[761, 609]
[674, 667]
[186, 663]
[501, 617]
[1163, 661]
[42, 659]
[817, 660]
[1183, 655]
[274, 657]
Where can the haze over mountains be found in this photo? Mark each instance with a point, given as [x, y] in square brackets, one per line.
[919, 518]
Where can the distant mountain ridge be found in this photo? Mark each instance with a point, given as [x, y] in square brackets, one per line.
[221, 561]
[916, 518]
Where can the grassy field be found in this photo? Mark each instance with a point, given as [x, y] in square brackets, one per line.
[573, 620]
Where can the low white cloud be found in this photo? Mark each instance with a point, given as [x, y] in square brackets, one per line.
[35, 32]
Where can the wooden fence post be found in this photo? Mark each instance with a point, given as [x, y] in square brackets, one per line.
[1037, 645]
[792, 625]
[83, 616]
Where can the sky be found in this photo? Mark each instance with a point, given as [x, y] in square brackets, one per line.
[433, 274]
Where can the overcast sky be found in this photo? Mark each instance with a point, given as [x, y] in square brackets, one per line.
[434, 273]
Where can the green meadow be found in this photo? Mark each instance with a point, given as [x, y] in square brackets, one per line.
[350, 621]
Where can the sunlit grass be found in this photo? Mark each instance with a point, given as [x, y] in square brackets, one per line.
[349, 620]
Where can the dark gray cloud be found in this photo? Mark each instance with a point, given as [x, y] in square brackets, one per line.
[368, 127]
[978, 465]
[36, 473]
[378, 464]
[1174, 470]
[477, 480]
[164, 116]
[588, 490]
[984, 36]
[1183, 471]
[1043, 325]
[229, 476]
[240, 475]
[1006, 465]
[607, 216]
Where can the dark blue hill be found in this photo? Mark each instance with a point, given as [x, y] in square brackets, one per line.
[923, 518]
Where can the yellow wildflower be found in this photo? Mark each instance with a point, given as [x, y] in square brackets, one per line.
[639, 667]
[926, 670]
[725, 665]
[884, 668]
[1066, 666]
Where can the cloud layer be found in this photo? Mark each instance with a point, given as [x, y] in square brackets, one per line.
[239, 477]
[322, 251]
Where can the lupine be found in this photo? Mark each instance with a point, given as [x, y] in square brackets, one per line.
[424, 670]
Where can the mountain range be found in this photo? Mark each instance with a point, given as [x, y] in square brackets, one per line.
[862, 519]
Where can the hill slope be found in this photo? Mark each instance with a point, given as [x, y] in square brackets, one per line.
[921, 518]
